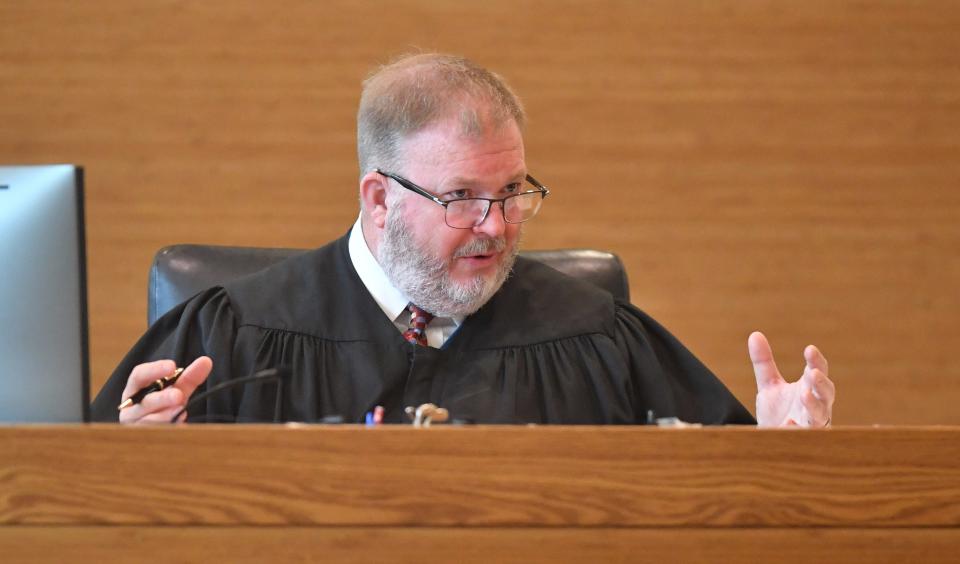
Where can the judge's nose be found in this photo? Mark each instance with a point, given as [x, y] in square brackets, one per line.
[493, 225]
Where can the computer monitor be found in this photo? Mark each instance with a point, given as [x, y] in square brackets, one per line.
[44, 374]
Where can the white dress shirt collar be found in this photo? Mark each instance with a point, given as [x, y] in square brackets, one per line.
[391, 300]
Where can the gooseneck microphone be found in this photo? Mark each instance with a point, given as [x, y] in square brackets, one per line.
[270, 374]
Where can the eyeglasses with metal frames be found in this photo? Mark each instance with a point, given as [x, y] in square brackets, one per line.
[467, 213]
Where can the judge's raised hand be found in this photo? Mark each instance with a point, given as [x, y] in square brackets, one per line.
[160, 407]
[808, 402]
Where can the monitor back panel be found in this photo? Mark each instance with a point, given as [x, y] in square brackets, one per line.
[43, 314]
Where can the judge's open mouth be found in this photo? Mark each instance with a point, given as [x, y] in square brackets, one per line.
[481, 253]
[480, 260]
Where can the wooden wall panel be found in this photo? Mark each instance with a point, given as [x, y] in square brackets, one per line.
[790, 167]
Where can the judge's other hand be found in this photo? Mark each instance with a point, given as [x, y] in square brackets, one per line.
[808, 402]
[160, 407]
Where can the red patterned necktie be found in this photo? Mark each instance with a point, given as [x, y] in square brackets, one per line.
[417, 333]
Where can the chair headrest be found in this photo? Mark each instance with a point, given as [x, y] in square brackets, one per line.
[180, 271]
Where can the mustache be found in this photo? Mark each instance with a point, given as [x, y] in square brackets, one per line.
[483, 246]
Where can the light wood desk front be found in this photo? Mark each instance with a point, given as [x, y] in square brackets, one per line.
[251, 493]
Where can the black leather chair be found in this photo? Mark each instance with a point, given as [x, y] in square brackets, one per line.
[180, 271]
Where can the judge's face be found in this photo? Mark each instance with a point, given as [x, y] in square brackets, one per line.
[445, 270]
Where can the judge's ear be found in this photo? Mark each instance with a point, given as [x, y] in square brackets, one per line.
[373, 195]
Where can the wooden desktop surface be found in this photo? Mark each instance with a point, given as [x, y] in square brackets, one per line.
[480, 494]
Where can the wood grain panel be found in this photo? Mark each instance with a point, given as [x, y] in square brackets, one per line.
[503, 545]
[481, 476]
[757, 164]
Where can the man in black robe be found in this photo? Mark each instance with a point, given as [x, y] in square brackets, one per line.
[425, 300]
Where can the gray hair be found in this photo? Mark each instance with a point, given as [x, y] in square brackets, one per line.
[415, 91]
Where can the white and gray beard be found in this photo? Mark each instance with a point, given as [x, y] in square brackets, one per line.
[426, 279]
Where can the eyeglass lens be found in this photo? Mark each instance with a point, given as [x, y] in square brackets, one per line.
[516, 209]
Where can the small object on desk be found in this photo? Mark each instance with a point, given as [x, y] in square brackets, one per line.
[156, 386]
[375, 417]
[676, 423]
[426, 414]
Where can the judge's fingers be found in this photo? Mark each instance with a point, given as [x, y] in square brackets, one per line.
[761, 355]
[156, 402]
[815, 359]
[194, 375]
[145, 374]
[819, 384]
[176, 395]
[818, 412]
[163, 416]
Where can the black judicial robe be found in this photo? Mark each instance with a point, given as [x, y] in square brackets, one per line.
[545, 349]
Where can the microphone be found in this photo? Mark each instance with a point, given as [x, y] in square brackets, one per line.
[266, 375]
